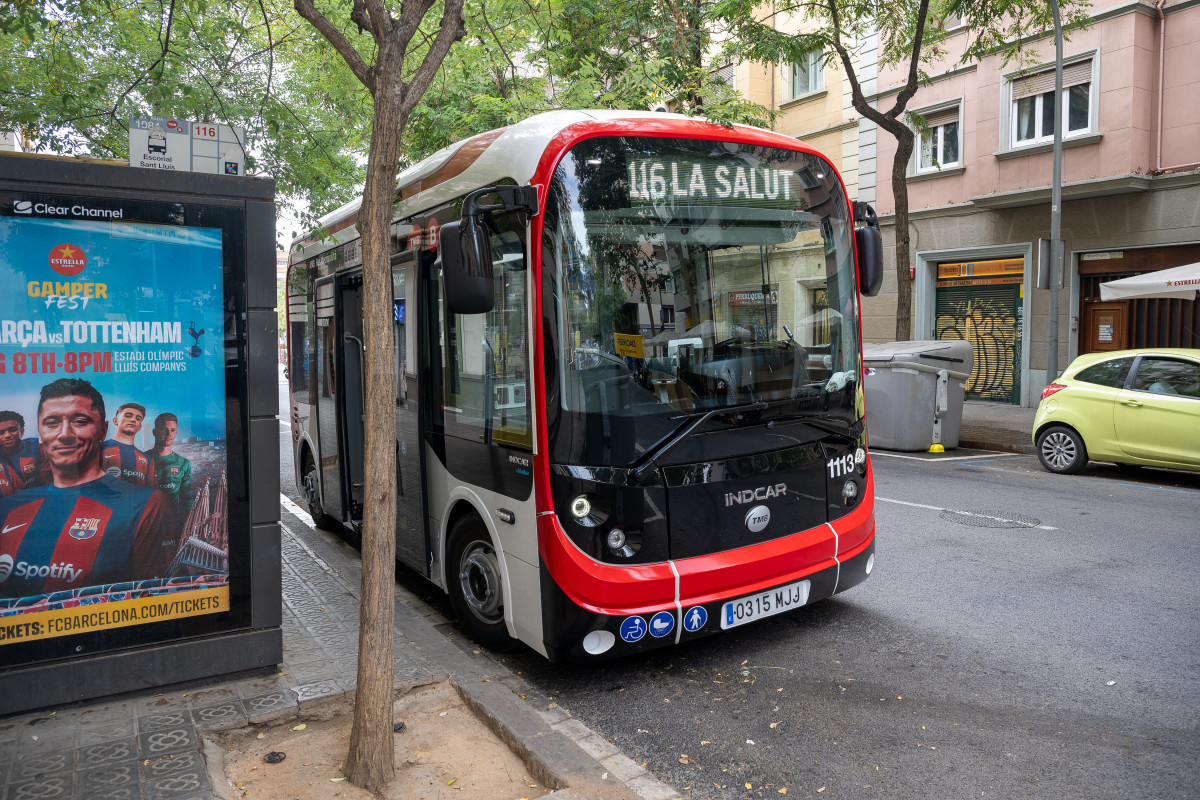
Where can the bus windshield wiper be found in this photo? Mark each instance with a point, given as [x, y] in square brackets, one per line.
[692, 422]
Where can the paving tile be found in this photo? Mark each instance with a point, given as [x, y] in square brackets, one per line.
[268, 705]
[107, 712]
[121, 780]
[100, 755]
[216, 694]
[8, 731]
[49, 788]
[104, 731]
[316, 691]
[166, 766]
[219, 716]
[45, 739]
[167, 741]
[255, 687]
[35, 767]
[311, 673]
[164, 719]
[170, 778]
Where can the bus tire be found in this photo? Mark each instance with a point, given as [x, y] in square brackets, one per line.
[474, 580]
[312, 480]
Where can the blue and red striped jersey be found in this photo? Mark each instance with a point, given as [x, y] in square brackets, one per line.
[25, 460]
[103, 531]
[10, 480]
[126, 462]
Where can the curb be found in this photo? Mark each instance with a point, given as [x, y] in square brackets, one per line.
[1006, 447]
[554, 758]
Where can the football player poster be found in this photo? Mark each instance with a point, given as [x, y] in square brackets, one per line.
[112, 426]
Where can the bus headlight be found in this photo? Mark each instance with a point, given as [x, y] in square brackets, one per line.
[622, 543]
[581, 507]
[849, 491]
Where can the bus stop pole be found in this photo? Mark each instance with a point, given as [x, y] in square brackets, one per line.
[1056, 244]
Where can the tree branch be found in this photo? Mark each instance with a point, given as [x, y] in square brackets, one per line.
[450, 30]
[340, 43]
[910, 87]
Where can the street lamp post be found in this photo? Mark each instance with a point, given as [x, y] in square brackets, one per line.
[1056, 244]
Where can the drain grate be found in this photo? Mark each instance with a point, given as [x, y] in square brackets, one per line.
[990, 519]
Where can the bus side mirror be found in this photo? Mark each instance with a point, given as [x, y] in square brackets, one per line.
[869, 244]
[467, 266]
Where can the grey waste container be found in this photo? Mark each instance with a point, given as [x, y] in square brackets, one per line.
[915, 392]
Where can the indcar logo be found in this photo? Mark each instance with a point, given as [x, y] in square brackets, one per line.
[5, 567]
[67, 260]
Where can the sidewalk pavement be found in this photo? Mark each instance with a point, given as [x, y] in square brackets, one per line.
[150, 747]
[997, 426]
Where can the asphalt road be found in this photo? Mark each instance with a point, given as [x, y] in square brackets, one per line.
[1023, 634]
[1045, 642]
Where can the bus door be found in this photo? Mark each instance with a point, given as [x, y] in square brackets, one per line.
[351, 379]
[412, 542]
[479, 423]
[328, 399]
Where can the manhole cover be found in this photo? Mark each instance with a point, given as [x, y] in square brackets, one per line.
[991, 519]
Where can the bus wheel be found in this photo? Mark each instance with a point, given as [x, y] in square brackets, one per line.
[476, 586]
[312, 493]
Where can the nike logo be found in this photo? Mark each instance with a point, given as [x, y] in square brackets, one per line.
[8, 528]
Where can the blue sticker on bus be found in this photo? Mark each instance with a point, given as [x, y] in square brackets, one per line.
[633, 629]
[661, 624]
[694, 619]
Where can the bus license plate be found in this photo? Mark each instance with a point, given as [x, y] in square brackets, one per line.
[764, 604]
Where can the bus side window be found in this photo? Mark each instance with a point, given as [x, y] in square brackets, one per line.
[486, 361]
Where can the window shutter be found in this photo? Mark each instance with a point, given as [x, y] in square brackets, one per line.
[941, 117]
[727, 74]
[1073, 75]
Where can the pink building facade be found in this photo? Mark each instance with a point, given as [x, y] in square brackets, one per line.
[979, 194]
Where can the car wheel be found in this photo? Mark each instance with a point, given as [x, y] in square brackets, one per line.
[312, 493]
[476, 585]
[1061, 450]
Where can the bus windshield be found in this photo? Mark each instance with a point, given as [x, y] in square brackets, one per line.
[688, 276]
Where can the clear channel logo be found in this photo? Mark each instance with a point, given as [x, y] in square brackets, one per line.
[27, 207]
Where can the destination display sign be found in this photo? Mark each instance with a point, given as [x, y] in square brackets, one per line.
[704, 181]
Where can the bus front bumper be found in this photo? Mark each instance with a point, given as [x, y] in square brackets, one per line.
[581, 635]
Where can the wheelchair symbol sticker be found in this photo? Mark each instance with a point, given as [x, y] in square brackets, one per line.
[633, 629]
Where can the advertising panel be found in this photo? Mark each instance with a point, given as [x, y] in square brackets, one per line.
[113, 442]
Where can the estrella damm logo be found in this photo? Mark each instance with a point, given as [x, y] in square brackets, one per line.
[68, 260]
[84, 528]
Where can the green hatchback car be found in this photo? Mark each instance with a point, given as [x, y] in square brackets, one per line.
[1130, 406]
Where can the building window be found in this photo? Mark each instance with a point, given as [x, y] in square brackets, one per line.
[1034, 106]
[808, 75]
[941, 144]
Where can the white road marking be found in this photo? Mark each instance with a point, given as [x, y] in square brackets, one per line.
[966, 513]
[296, 510]
[945, 458]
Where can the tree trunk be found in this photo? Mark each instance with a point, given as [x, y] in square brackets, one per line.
[904, 149]
[370, 762]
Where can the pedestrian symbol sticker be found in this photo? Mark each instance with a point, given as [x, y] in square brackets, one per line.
[694, 619]
[633, 629]
[661, 624]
